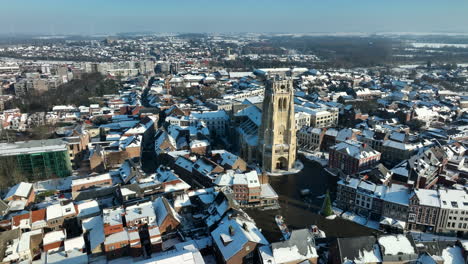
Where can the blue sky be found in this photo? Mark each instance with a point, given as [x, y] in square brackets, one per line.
[106, 16]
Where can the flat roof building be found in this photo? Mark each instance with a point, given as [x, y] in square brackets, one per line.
[41, 158]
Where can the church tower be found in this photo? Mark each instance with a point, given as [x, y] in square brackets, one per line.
[277, 133]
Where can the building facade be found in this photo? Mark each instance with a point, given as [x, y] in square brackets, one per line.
[277, 134]
[352, 157]
[41, 158]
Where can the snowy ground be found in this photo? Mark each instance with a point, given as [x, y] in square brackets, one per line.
[316, 156]
[298, 166]
[331, 217]
[419, 236]
[357, 219]
[60, 184]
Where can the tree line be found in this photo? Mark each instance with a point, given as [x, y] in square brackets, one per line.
[75, 92]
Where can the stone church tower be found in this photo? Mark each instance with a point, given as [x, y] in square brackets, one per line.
[277, 133]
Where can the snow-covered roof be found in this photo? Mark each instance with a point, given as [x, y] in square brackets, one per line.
[113, 216]
[163, 209]
[267, 191]
[88, 208]
[226, 157]
[54, 236]
[74, 243]
[253, 113]
[453, 199]
[199, 143]
[121, 236]
[54, 211]
[25, 240]
[243, 231]
[300, 247]
[143, 210]
[453, 255]
[397, 193]
[21, 189]
[67, 257]
[95, 227]
[187, 255]
[396, 245]
[428, 197]
[88, 180]
[355, 149]
[182, 200]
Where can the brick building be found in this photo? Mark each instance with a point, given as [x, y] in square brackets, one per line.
[352, 157]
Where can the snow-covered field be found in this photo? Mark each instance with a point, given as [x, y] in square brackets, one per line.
[438, 45]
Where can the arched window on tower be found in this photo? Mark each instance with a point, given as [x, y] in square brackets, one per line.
[285, 104]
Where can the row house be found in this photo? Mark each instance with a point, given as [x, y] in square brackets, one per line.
[389, 203]
[453, 216]
[103, 180]
[324, 118]
[246, 187]
[310, 138]
[395, 207]
[57, 213]
[116, 245]
[424, 209]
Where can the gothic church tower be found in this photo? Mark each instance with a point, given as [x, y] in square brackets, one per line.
[277, 133]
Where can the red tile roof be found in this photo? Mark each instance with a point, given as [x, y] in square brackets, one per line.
[38, 215]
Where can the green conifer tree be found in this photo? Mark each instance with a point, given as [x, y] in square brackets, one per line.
[327, 206]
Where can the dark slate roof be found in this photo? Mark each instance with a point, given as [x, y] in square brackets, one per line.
[349, 247]
[433, 248]
[303, 239]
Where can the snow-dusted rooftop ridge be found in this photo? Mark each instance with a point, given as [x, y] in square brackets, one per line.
[21, 189]
[91, 179]
[243, 231]
[355, 149]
